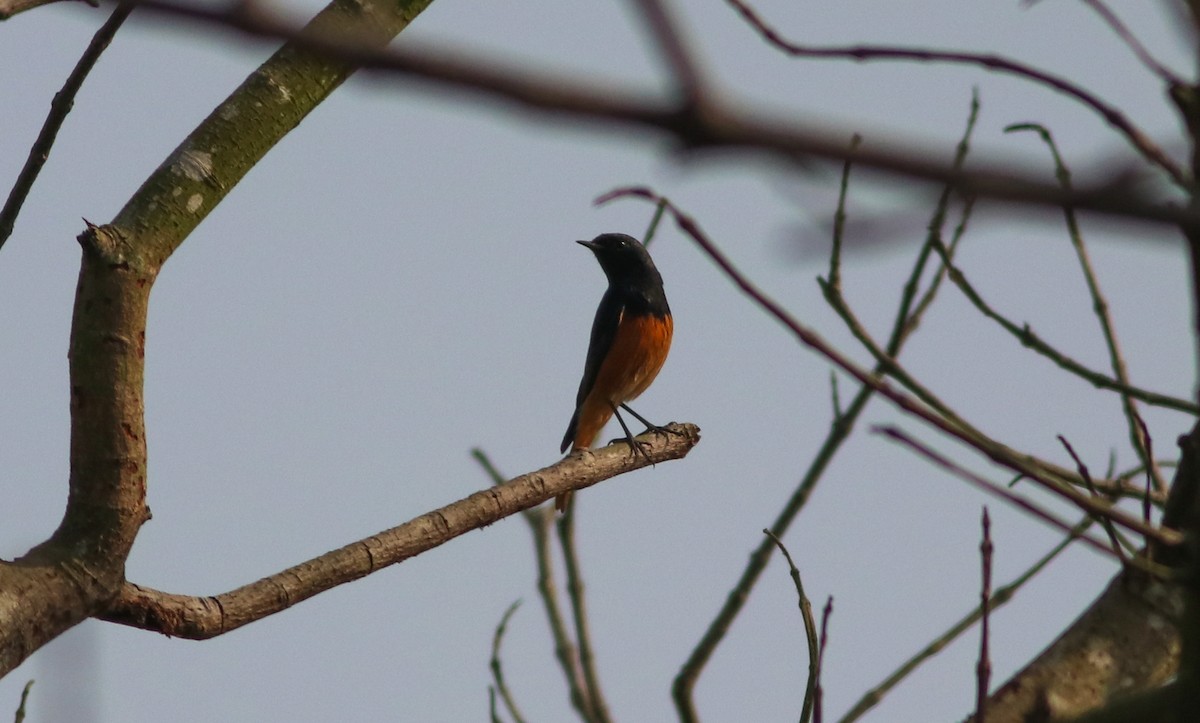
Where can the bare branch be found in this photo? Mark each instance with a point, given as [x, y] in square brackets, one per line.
[1123, 32]
[498, 670]
[1086, 503]
[1110, 113]
[19, 717]
[990, 487]
[63, 101]
[598, 710]
[1137, 436]
[670, 43]
[707, 125]
[1028, 338]
[842, 424]
[540, 520]
[1000, 598]
[839, 224]
[1113, 536]
[810, 630]
[1126, 640]
[818, 695]
[983, 670]
[199, 618]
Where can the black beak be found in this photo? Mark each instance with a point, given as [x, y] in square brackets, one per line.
[590, 244]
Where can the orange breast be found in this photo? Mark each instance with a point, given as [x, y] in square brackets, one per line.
[633, 361]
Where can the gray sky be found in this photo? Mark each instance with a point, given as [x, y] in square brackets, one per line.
[396, 284]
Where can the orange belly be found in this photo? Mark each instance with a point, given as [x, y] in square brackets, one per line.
[634, 360]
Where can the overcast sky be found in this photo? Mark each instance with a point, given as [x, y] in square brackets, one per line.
[396, 283]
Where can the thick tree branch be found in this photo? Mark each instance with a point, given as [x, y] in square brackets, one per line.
[79, 570]
[1126, 641]
[1130, 639]
[202, 617]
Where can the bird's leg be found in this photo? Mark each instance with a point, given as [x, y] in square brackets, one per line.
[635, 446]
[649, 426]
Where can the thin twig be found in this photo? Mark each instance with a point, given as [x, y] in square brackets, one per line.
[983, 669]
[1000, 598]
[840, 428]
[575, 593]
[493, 712]
[202, 617]
[654, 221]
[673, 48]
[819, 694]
[1110, 113]
[1123, 32]
[63, 101]
[907, 316]
[1100, 306]
[1028, 338]
[497, 671]
[1106, 523]
[839, 219]
[1049, 476]
[1149, 475]
[20, 715]
[810, 630]
[1087, 504]
[540, 520]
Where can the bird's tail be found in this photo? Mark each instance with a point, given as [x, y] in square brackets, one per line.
[569, 437]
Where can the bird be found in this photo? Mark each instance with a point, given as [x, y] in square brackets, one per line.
[631, 336]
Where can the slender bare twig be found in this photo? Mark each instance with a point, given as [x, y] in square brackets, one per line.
[839, 223]
[1121, 485]
[819, 694]
[202, 617]
[906, 322]
[673, 48]
[63, 101]
[1110, 113]
[540, 520]
[1028, 338]
[1000, 598]
[843, 423]
[493, 712]
[498, 671]
[1113, 536]
[1100, 306]
[983, 669]
[1123, 32]
[890, 366]
[654, 221]
[20, 715]
[1149, 475]
[598, 712]
[711, 126]
[835, 397]
[810, 630]
[1003, 493]
[1049, 476]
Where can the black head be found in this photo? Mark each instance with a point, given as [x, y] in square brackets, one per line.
[623, 258]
